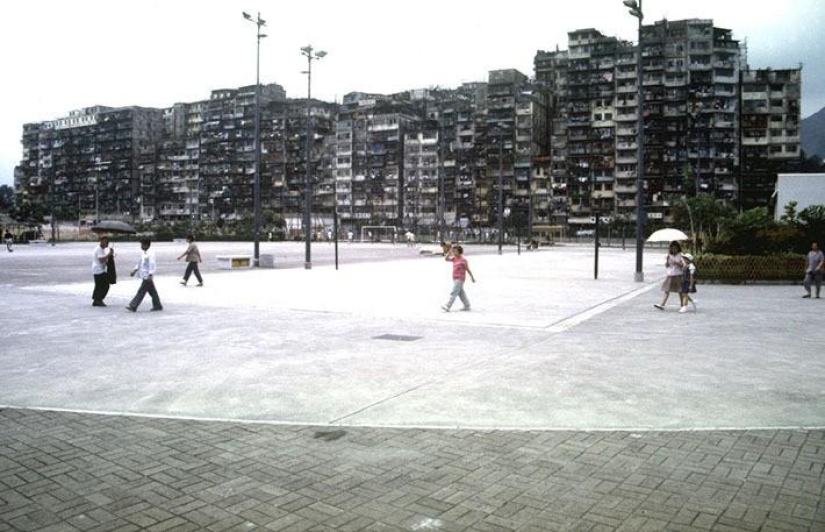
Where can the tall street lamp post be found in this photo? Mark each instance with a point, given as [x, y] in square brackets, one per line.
[636, 11]
[259, 22]
[442, 201]
[500, 191]
[310, 54]
[51, 209]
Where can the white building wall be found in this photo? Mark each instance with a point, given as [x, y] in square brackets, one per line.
[804, 189]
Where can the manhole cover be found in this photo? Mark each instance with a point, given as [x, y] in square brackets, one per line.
[329, 435]
[397, 337]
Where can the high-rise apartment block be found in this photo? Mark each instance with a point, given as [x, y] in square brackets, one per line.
[89, 161]
[369, 148]
[693, 78]
[556, 149]
[770, 141]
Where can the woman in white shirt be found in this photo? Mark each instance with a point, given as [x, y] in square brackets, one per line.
[675, 265]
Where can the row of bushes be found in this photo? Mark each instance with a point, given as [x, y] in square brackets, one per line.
[785, 268]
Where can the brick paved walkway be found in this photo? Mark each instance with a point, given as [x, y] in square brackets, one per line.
[68, 471]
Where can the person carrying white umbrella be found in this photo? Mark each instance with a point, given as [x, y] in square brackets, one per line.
[675, 265]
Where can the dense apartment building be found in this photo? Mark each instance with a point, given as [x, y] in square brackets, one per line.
[705, 117]
[691, 78]
[445, 157]
[517, 134]
[552, 150]
[87, 163]
[284, 160]
[690, 75]
[369, 168]
[205, 165]
[770, 141]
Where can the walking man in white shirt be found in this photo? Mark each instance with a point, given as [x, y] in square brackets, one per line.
[146, 267]
[99, 272]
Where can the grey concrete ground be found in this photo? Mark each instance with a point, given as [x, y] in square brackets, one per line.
[294, 399]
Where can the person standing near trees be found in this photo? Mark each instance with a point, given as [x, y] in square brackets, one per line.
[193, 257]
[814, 266]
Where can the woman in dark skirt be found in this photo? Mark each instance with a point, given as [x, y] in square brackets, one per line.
[675, 265]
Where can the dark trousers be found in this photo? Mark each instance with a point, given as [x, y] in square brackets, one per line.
[192, 267]
[146, 286]
[101, 287]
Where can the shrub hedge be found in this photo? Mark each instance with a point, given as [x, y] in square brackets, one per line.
[785, 268]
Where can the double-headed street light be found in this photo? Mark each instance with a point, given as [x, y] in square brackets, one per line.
[310, 54]
[257, 190]
[636, 11]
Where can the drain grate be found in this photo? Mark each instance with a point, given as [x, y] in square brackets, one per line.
[329, 435]
[397, 337]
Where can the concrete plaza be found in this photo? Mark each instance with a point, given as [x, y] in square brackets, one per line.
[323, 399]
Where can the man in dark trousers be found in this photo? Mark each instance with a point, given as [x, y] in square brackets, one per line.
[100, 272]
[145, 267]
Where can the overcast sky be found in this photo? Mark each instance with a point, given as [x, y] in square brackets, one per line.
[60, 55]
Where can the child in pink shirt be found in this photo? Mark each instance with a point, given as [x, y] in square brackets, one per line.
[460, 271]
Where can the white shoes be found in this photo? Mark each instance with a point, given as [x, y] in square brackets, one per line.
[683, 310]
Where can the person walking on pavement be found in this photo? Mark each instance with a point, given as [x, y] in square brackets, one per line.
[814, 267]
[688, 283]
[193, 257]
[461, 269]
[675, 266]
[9, 239]
[147, 267]
[100, 271]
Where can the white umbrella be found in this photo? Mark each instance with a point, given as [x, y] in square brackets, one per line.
[667, 235]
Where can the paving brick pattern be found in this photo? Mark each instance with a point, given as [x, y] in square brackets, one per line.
[83, 472]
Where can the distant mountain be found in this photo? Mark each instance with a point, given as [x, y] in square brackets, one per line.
[813, 134]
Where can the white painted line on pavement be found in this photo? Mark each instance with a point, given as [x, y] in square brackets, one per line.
[569, 323]
[501, 428]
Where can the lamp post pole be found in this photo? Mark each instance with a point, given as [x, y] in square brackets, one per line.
[310, 54]
[259, 22]
[335, 217]
[442, 195]
[500, 192]
[636, 11]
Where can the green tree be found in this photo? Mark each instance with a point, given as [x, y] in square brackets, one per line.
[689, 181]
[703, 215]
[790, 216]
[272, 222]
[754, 232]
[28, 213]
[813, 224]
[516, 223]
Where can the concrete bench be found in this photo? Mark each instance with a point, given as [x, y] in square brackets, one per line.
[234, 262]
